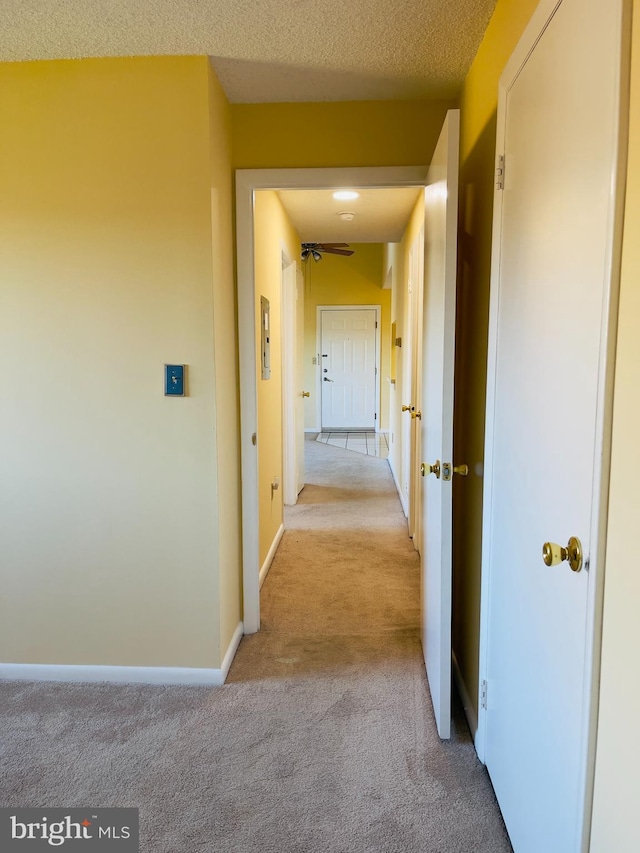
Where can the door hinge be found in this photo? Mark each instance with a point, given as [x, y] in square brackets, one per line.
[376, 324]
[376, 370]
[483, 694]
[375, 417]
[500, 172]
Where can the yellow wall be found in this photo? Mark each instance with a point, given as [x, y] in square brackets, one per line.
[478, 136]
[272, 230]
[109, 522]
[362, 133]
[226, 363]
[337, 280]
[615, 823]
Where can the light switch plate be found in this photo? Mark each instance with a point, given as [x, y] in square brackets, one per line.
[174, 376]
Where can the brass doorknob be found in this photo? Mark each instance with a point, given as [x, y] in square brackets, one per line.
[431, 469]
[463, 470]
[553, 554]
[416, 415]
[408, 408]
[306, 393]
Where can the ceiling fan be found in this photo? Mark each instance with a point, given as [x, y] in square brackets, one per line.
[315, 250]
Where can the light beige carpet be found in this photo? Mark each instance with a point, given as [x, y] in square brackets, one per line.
[323, 739]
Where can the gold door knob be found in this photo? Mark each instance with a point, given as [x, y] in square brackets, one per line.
[416, 415]
[408, 408]
[463, 470]
[554, 554]
[431, 469]
[306, 393]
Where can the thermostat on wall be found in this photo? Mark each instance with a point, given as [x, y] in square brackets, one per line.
[174, 380]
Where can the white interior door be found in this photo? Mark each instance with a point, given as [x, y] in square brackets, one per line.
[348, 368]
[438, 353]
[557, 127]
[415, 418]
[408, 388]
[292, 382]
[299, 372]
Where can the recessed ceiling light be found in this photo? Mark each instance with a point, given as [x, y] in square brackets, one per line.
[346, 195]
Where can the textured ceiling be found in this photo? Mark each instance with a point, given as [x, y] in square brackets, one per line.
[268, 50]
[381, 215]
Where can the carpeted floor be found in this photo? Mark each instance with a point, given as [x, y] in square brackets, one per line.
[323, 738]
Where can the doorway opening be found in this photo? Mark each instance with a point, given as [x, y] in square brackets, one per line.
[435, 195]
[248, 185]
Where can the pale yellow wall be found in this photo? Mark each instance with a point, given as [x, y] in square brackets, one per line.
[338, 280]
[359, 133]
[226, 364]
[108, 522]
[272, 230]
[398, 259]
[478, 137]
[615, 813]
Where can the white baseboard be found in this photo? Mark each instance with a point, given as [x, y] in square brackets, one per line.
[403, 500]
[467, 704]
[227, 660]
[124, 674]
[313, 430]
[264, 571]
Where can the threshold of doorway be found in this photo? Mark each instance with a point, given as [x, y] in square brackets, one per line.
[367, 442]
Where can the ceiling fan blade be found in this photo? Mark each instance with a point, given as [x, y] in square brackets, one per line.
[333, 245]
[330, 251]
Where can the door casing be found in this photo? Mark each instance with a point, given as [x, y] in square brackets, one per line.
[248, 182]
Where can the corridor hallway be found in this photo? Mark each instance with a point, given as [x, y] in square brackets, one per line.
[355, 760]
[323, 738]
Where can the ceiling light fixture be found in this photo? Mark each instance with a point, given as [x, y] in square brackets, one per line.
[345, 195]
[347, 215]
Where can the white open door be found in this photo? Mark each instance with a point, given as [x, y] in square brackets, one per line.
[412, 444]
[438, 352]
[546, 449]
[292, 381]
[407, 391]
[299, 372]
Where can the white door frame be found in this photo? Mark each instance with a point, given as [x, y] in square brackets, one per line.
[531, 35]
[248, 181]
[289, 390]
[319, 310]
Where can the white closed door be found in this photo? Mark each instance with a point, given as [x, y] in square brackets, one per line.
[551, 273]
[436, 433]
[348, 368]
